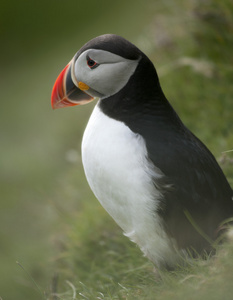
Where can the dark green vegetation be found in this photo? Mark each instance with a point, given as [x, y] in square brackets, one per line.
[49, 220]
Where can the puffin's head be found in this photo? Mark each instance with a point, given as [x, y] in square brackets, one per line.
[101, 68]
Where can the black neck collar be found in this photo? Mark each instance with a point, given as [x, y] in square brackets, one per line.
[141, 102]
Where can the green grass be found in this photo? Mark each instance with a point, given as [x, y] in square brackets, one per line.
[50, 221]
[135, 279]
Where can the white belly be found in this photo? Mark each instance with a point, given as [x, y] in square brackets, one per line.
[120, 176]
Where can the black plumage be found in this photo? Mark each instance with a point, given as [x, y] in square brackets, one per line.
[196, 193]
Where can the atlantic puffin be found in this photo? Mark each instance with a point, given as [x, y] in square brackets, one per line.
[156, 179]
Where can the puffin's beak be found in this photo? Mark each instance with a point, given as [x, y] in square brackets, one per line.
[65, 92]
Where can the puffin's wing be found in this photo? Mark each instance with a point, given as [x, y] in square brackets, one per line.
[196, 194]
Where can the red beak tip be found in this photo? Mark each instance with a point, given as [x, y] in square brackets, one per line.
[60, 97]
[57, 91]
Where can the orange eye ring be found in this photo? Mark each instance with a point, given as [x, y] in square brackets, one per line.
[91, 63]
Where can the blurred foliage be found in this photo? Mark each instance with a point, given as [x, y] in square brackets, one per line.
[29, 27]
[214, 30]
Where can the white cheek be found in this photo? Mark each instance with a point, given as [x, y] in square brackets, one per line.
[108, 78]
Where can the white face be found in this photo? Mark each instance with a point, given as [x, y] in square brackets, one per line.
[110, 74]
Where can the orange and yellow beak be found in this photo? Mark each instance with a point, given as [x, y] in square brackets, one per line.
[66, 93]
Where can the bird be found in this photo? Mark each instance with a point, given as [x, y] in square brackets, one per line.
[154, 177]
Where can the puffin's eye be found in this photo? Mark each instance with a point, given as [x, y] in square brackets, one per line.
[91, 63]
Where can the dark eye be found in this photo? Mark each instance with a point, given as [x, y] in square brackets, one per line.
[91, 63]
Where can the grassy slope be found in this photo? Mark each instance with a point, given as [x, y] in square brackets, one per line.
[100, 263]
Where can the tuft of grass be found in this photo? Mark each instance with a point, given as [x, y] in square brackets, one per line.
[200, 279]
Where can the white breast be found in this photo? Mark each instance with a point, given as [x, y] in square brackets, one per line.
[119, 174]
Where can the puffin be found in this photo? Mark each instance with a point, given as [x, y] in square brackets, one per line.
[155, 178]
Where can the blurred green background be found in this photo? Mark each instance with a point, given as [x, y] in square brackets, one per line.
[43, 188]
[38, 38]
